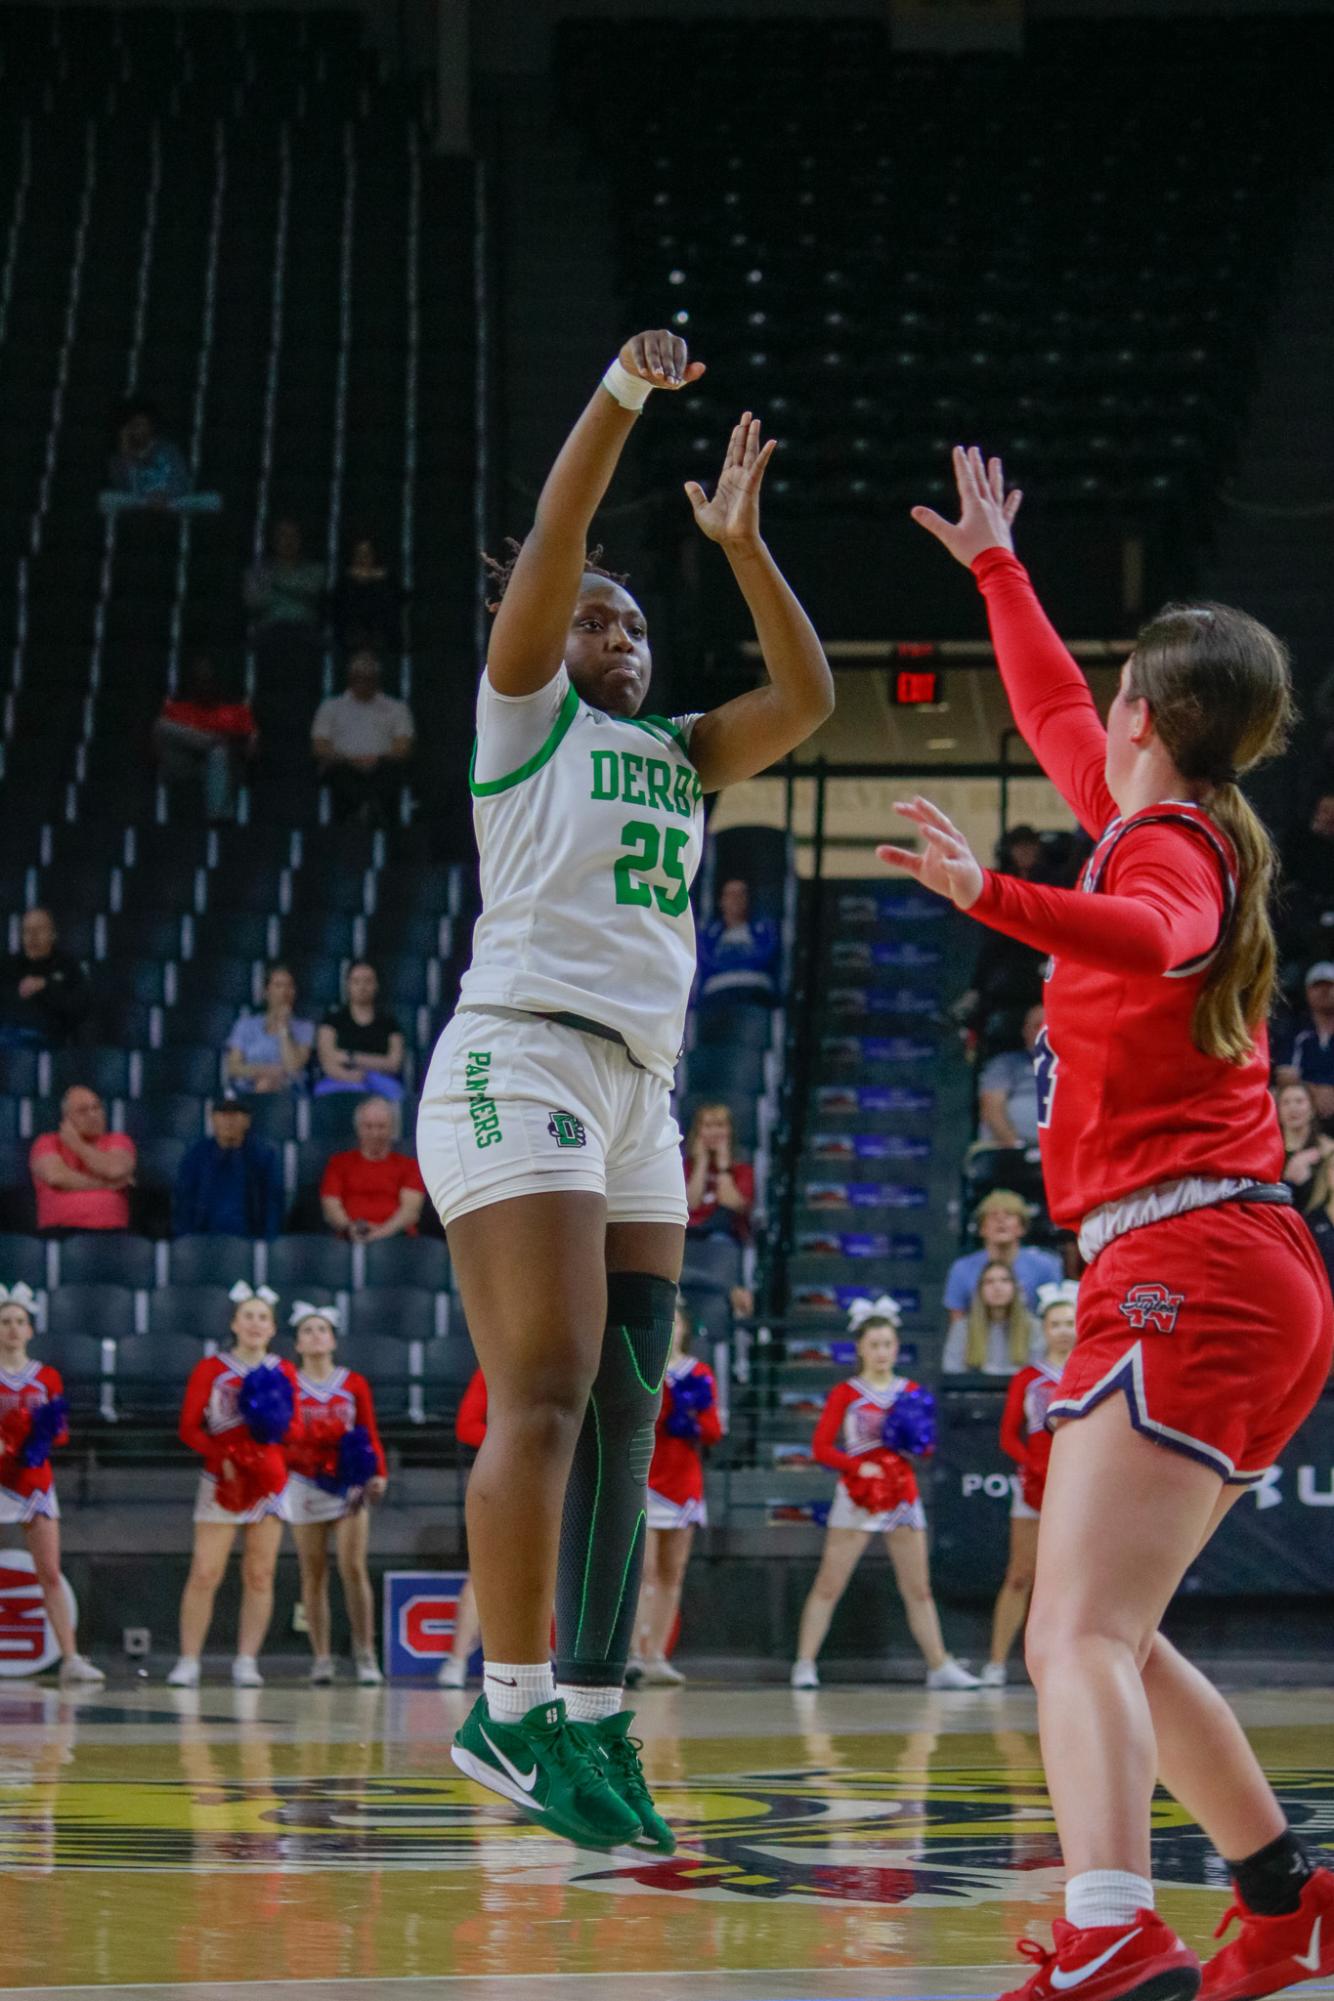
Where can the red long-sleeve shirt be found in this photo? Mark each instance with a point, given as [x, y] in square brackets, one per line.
[36, 1383]
[209, 1410]
[324, 1411]
[1126, 1102]
[852, 1422]
[470, 1423]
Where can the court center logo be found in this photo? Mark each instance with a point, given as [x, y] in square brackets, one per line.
[1152, 1306]
[566, 1129]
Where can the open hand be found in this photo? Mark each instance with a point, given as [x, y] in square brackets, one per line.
[662, 358]
[732, 517]
[946, 864]
[986, 510]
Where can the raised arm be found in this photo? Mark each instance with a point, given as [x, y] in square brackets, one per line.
[1047, 692]
[753, 731]
[528, 637]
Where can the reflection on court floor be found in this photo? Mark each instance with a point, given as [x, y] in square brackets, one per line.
[849, 1844]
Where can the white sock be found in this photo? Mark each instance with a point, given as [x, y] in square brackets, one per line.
[589, 1705]
[512, 1688]
[1106, 1897]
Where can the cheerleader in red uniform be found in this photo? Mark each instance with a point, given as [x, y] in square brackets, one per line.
[32, 1423]
[1205, 1321]
[237, 1427]
[1025, 1437]
[688, 1424]
[469, 1429]
[336, 1466]
[876, 1495]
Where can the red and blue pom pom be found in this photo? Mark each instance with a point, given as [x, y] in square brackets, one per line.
[910, 1424]
[689, 1396]
[266, 1404]
[49, 1420]
[355, 1465]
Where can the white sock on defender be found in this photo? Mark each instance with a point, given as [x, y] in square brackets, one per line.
[512, 1688]
[589, 1705]
[1106, 1897]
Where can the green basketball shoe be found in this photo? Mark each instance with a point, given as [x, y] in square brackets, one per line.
[612, 1740]
[544, 1765]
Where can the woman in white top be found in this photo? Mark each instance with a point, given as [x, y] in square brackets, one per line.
[998, 1335]
[545, 1135]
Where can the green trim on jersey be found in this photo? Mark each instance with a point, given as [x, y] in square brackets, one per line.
[482, 788]
[660, 726]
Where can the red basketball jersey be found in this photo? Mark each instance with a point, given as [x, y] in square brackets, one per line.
[324, 1411]
[26, 1390]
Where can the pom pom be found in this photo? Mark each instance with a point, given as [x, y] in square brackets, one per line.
[910, 1424]
[881, 1482]
[258, 1471]
[48, 1422]
[680, 1424]
[693, 1392]
[353, 1463]
[265, 1403]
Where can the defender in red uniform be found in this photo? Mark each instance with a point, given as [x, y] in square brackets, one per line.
[323, 1498]
[1205, 1323]
[32, 1424]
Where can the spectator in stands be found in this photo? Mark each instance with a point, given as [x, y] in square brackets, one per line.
[1320, 1216]
[148, 470]
[1307, 911]
[1304, 1145]
[230, 1185]
[82, 1173]
[203, 739]
[738, 953]
[998, 1335]
[720, 1189]
[1007, 1093]
[1309, 1058]
[284, 595]
[270, 1051]
[362, 740]
[371, 1192]
[366, 603]
[360, 1044]
[44, 995]
[1001, 1219]
[1019, 852]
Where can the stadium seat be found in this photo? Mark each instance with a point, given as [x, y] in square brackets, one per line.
[151, 1371]
[174, 1115]
[407, 1261]
[274, 1115]
[734, 1027]
[23, 1261]
[204, 1260]
[83, 1358]
[19, 1073]
[203, 1312]
[405, 1313]
[332, 1119]
[192, 1068]
[307, 1265]
[102, 1312]
[712, 1264]
[106, 1257]
[106, 1071]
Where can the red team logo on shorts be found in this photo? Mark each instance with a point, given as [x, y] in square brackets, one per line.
[1152, 1306]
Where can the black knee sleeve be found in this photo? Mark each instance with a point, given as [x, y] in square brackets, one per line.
[602, 1529]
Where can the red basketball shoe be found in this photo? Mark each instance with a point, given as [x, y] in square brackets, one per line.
[1141, 1961]
[1270, 1953]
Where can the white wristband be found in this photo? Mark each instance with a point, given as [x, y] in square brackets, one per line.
[630, 391]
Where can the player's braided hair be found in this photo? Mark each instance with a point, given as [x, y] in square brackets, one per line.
[1219, 688]
[499, 572]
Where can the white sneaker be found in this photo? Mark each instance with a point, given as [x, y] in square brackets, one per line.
[245, 1672]
[950, 1675]
[804, 1675]
[368, 1671]
[321, 1672]
[185, 1674]
[76, 1672]
[453, 1672]
[634, 1671]
[661, 1674]
[993, 1675]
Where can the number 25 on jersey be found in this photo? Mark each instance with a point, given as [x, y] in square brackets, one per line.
[652, 867]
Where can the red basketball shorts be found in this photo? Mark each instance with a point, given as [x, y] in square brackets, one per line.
[1216, 1326]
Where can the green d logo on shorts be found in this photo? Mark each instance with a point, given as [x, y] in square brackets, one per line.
[566, 1129]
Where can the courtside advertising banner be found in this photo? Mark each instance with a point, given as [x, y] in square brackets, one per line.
[419, 1611]
[27, 1642]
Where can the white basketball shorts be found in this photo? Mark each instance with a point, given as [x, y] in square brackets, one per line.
[517, 1105]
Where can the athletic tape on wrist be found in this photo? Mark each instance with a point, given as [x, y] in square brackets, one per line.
[630, 391]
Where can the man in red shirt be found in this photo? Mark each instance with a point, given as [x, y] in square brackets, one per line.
[82, 1174]
[201, 737]
[372, 1192]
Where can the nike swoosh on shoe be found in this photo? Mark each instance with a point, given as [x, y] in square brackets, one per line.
[1062, 1982]
[526, 1782]
[1310, 1959]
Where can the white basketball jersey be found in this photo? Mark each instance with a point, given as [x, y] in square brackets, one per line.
[587, 852]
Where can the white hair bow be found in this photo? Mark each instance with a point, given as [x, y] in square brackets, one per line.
[862, 1310]
[303, 1311]
[20, 1295]
[241, 1292]
[1063, 1292]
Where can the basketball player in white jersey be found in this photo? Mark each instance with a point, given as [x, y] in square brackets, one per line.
[545, 1134]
